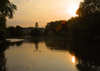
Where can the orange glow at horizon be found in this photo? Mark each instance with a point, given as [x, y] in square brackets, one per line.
[42, 11]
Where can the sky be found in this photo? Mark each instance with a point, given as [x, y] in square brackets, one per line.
[42, 11]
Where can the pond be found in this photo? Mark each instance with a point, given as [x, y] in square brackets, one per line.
[49, 54]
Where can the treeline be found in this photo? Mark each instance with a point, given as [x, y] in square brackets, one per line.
[84, 26]
[15, 31]
[7, 32]
[57, 28]
[76, 27]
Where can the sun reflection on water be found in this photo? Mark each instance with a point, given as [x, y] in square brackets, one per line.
[73, 59]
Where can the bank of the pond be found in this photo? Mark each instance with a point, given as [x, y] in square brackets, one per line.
[59, 38]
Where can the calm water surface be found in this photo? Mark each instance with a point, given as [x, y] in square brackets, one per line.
[39, 54]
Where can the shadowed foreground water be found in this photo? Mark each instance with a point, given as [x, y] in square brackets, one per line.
[49, 54]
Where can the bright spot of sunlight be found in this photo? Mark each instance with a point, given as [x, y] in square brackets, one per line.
[72, 10]
[73, 59]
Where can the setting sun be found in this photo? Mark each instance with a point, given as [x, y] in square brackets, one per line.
[73, 59]
[72, 10]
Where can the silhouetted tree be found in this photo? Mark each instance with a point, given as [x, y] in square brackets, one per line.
[87, 23]
[88, 7]
[15, 31]
[2, 27]
[58, 28]
[7, 9]
[11, 30]
[35, 32]
[19, 31]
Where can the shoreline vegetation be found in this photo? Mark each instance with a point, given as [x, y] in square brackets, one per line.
[85, 26]
[87, 54]
[55, 38]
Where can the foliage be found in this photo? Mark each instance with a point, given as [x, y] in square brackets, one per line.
[19, 31]
[8, 33]
[88, 7]
[35, 32]
[84, 28]
[86, 25]
[7, 8]
[56, 28]
[2, 27]
[81, 27]
[15, 31]
[51, 27]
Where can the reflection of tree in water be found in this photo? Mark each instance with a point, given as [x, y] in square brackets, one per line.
[2, 62]
[19, 43]
[55, 44]
[87, 54]
[3, 47]
[36, 40]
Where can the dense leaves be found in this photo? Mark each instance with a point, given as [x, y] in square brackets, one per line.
[88, 7]
[15, 31]
[2, 27]
[58, 28]
[36, 32]
[7, 8]
[84, 26]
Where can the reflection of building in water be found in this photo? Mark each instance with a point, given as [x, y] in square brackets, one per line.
[27, 30]
[73, 59]
[36, 46]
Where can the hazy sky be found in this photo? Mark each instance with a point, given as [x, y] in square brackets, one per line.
[42, 11]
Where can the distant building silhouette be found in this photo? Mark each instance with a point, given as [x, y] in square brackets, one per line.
[29, 29]
[36, 25]
[41, 30]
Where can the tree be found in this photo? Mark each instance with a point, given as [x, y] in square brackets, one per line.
[51, 27]
[12, 30]
[35, 32]
[15, 31]
[7, 8]
[58, 28]
[19, 31]
[88, 7]
[89, 12]
[2, 27]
